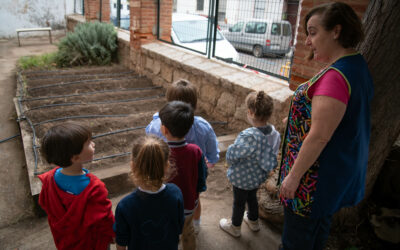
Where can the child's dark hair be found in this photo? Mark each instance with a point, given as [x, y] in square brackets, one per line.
[63, 141]
[182, 90]
[260, 104]
[150, 156]
[177, 117]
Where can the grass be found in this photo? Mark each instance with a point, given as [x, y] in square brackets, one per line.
[45, 61]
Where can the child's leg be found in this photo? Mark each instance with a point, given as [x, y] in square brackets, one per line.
[239, 203]
[252, 204]
[188, 235]
[197, 212]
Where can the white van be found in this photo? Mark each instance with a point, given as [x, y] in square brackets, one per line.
[261, 36]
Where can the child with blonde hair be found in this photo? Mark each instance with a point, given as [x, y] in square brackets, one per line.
[251, 158]
[200, 133]
[151, 217]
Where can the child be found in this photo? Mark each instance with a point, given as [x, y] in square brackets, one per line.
[176, 120]
[151, 217]
[201, 133]
[251, 158]
[75, 201]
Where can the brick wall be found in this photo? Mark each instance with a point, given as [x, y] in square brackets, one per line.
[143, 20]
[92, 10]
[302, 69]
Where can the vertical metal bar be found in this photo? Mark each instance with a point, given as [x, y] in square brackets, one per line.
[158, 20]
[101, 8]
[83, 7]
[215, 27]
[209, 28]
[74, 6]
[118, 13]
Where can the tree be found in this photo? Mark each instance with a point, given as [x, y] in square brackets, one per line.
[380, 49]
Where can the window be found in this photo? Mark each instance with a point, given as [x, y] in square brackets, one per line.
[115, 5]
[256, 27]
[276, 29]
[127, 6]
[259, 8]
[286, 30]
[237, 27]
[200, 5]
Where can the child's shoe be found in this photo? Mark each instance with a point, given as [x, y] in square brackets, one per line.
[226, 225]
[253, 225]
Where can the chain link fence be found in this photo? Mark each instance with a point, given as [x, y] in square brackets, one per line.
[256, 34]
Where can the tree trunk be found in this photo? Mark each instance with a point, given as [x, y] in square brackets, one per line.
[381, 50]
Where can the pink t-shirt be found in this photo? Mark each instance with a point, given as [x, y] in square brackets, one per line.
[331, 84]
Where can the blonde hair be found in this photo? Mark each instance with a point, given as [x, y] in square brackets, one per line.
[260, 104]
[150, 158]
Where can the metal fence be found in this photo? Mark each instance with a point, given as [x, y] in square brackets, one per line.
[119, 13]
[256, 34]
[79, 7]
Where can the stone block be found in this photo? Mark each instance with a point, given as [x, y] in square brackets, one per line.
[166, 72]
[180, 74]
[227, 104]
[209, 94]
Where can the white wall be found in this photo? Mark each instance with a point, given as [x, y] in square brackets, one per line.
[16, 14]
[238, 10]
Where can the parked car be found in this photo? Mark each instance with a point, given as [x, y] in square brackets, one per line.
[191, 31]
[261, 36]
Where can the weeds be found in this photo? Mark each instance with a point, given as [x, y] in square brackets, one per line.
[46, 61]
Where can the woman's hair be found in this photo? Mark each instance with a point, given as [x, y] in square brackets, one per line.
[63, 141]
[150, 156]
[337, 13]
[182, 90]
[260, 104]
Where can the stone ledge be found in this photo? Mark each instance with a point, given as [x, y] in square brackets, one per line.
[229, 73]
[222, 86]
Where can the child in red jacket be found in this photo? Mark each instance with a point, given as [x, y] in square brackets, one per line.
[76, 203]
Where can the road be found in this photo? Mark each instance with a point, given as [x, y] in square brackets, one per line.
[266, 63]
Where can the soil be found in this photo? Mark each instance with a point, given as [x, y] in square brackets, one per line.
[114, 102]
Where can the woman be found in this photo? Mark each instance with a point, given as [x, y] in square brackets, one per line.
[325, 150]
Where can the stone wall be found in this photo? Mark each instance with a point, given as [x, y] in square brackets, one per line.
[222, 87]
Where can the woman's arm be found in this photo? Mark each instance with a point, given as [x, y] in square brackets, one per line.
[327, 113]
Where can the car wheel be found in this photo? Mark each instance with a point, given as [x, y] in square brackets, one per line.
[257, 51]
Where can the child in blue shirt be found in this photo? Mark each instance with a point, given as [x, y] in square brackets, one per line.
[151, 217]
[201, 133]
[251, 158]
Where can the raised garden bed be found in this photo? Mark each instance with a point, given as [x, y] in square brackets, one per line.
[116, 103]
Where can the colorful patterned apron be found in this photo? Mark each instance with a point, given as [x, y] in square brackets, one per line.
[298, 126]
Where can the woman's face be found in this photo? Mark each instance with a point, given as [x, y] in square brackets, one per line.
[323, 43]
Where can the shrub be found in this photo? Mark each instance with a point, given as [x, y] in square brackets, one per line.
[91, 43]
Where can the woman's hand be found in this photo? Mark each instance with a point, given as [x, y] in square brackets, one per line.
[289, 186]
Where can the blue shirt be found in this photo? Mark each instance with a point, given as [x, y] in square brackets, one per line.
[201, 133]
[150, 220]
[72, 184]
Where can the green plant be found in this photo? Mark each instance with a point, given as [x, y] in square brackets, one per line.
[45, 61]
[91, 43]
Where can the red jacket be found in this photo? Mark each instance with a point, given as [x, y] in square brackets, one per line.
[81, 221]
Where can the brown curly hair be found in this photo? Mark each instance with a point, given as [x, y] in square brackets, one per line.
[260, 104]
